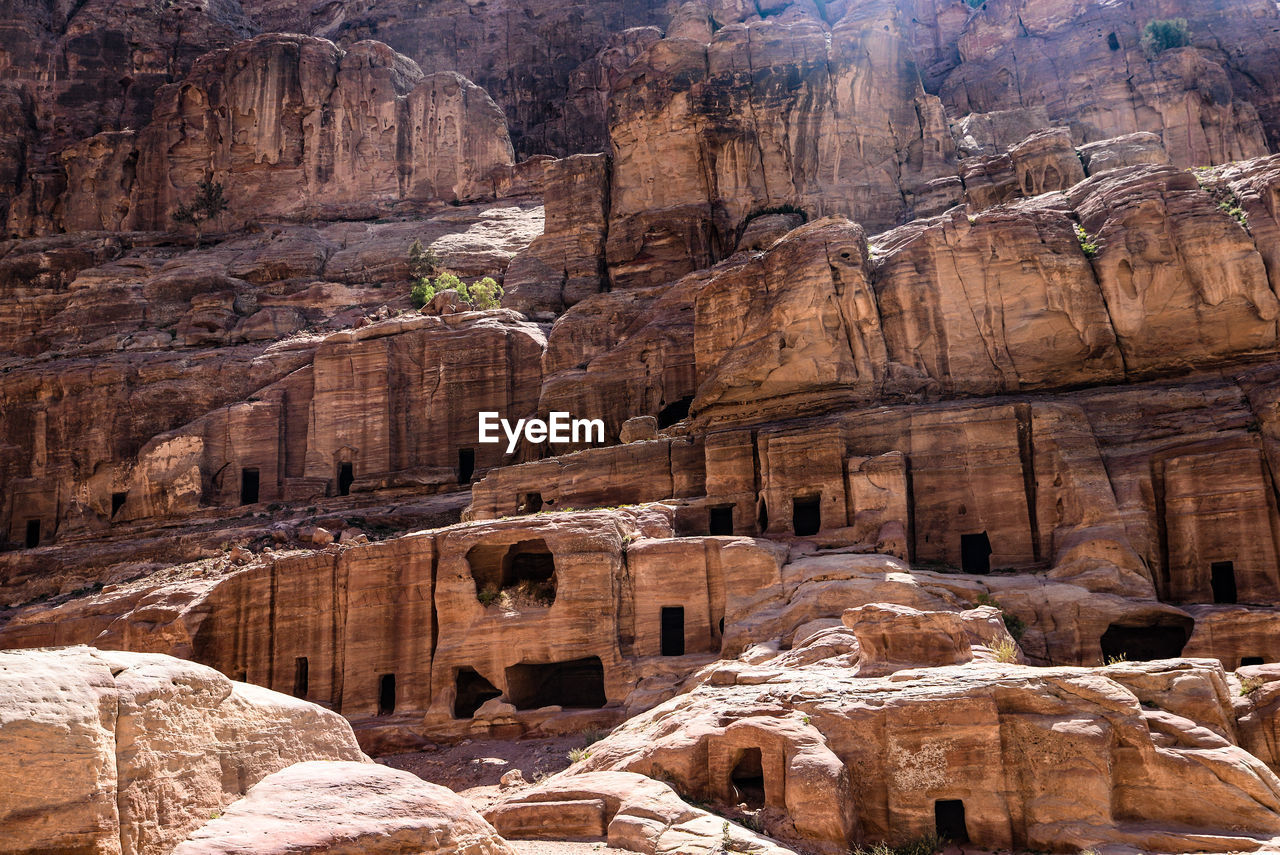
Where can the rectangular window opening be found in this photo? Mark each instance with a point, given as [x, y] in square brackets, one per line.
[248, 486]
[672, 630]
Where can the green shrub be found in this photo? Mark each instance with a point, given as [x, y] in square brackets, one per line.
[207, 204]
[421, 293]
[1087, 246]
[448, 280]
[485, 294]
[422, 262]
[1159, 36]
[1249, 685]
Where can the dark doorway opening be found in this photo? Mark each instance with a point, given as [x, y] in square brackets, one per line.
[1222, 578]
[762, 518]
[673, 630]
[248, 486]
[720, 519]
[674, 412]
[1250, 660]
[747, 779]
[975, 553]
[301, 677]
[472, 691]
[386, 694]
[1112, 41]
[526, 570]
[948, 820]
[33, 534]
[576, 684]
[346, 477]
[806, 515]
[466, 464]
[117, 502]
[1144, 643]
[529, 503]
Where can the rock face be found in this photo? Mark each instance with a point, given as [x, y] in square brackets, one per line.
[1211, 102]
[295, 127]
[708, 129]
[346, 808]
[101, 732]
[546, 63]
[633, 812]
[936, 351]
[776, 739]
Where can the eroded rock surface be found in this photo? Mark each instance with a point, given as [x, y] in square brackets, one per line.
[128, 752]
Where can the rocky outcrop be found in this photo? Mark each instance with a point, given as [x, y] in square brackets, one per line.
[631, 811]
[73, 70]
[342, 808]
[101, 732]
[543, 62]
[1211, 103]
[773, 738]
[295, 127]
[565, 264]
[707, 129]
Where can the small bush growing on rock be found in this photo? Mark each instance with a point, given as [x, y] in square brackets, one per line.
[1161, 35]
[1249, 685]
[421, 293]
[488, 596]
[207, 204]
[1006, 651]
[577, 755]
[929, 844]
[1087, 246]
[422, 261]
[485, 294]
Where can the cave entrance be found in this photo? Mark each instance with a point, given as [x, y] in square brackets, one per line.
[806, 515]
[248, 486]
[1222, 579]
[525, 572]
[747, 779]
[762, 517]
[528, 503]
[1250, 660]
[470, 692]
[1143, 643]
[948, 820]
[575, 684]
[975, 553]
[1113, 42]
[673, 630]
[720, 520]
[117, 502]
[301, 677]
[466, 464]
[33, 534]
[346, 477]
[674, 412]
[386, 694]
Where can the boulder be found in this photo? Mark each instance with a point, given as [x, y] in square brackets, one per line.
[344, 808]
[133, 751]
